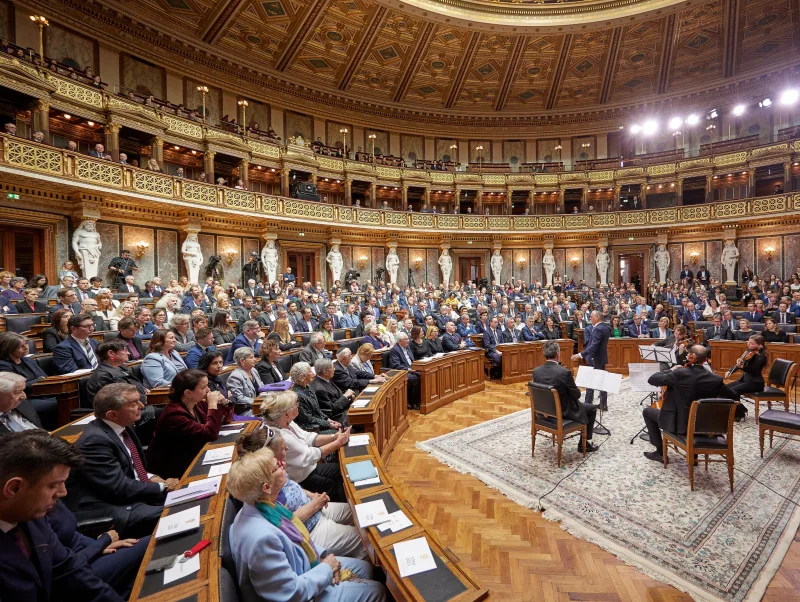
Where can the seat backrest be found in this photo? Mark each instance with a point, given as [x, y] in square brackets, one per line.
[284, 362]
[229, 512]
[544, 400]
[136, 371]
[306, 338]
[228, 589]
[46, 363]
[32, 346]
[22, 322]
[712, 416]
[83, 392]
[781, 371]
[223, 378]
[339, 334]
[112, 334]
[385, 357]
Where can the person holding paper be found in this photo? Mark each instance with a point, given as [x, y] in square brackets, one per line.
[275, 558]
[684, 385]
[113, 476]
[552, 373]
[329, 523]
[192, 418]
[595, 353]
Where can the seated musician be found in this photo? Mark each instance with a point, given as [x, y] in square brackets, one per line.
[751, 364]
[684, 384]
[678, 342]
[552, 373]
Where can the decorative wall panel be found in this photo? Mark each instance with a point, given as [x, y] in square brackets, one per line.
[764, 265]
[675, 263]
[167, 251]
[514, 153]
[434, 273]
[258, 113]
[694, 247]
[69, 48]
[791, 254]
[714, 259]
[5, 22]
[560, 257]
[347, 257]
[589, 267]
[522, 271]
[194, 100]
[233, 271]
[109, 234]
[381, 142]
[299, 125]
[334, 138]
[569, 271]
[402, 274]
[747, 254]
[537, 274]
[207, 246]
[506, 273]
[63, 237]
[419, 271]
[412, 147]
[379, 261]
[147, 265]
[367, 270]
[142, 76]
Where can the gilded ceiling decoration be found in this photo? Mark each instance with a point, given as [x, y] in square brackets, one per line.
[405, 60]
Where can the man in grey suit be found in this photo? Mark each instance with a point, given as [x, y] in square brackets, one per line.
[553, 374]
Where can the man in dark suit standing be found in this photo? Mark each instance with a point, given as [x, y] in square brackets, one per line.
[553, 374]
[332, 401]
[78, 351]
[400, 358]
[34, 466]
[595, 353]
[113, 476]
[686, 273]
[684, 385]
[704, 276]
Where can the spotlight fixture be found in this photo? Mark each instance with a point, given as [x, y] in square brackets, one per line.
[789, 97]
[675, 123]
[635, 129]
[765, 103]
[649, 127]
[713, 114]
[738, 110]
[693, 119]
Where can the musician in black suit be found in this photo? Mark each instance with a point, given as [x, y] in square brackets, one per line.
[34, 564]
[113, 476]
[684, 385]
[332, 401]
[595, 353]
[553, 374]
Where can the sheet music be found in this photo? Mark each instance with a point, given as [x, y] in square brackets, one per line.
[639, 375]
[598, 380]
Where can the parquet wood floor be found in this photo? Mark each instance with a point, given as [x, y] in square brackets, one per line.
[513, 551]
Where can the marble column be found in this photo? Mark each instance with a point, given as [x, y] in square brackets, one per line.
[709, 192]
[478, 202]
[244, 168]
[584, 203]
[617, 194]
[157, 153]
[404, 198]
[679, 192]
[348, 192]
[208, 165]
[41, 118]
[428, 197]
[373, 195]
[529, 205]
[787, 176]
[111, 131]
[751, 182]
[285, 181]
[508, 204]
[643, 195]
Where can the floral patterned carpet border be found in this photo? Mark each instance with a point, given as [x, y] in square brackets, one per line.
[710, 543]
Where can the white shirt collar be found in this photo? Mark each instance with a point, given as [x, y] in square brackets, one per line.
[115, 427]
[6, 527]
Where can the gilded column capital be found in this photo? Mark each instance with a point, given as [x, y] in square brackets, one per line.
[40, 104]
[112, 128]
[157, 141]
[209, 154]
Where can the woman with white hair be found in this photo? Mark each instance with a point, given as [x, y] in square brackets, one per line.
[329, 523]
[184, 336]
[311, 415]
[168, 302]
[275, 557]
[304, 450]
[244, 381]
[125, 310]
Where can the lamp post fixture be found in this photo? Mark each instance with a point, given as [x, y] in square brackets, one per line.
[343, 132]
[480, 158]
[244, 104]
[203, 90]
[42, 22]
[372, 138]
[710, 129]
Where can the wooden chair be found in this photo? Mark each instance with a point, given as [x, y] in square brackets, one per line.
[779, 381]
[707, 418]
[777, 421]
[545, 403]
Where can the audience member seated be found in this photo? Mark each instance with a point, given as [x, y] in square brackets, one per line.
[15, 291]
[267, 369]
[204, 343]
[452, 341]
[638, 329]
[213, 364]
[127, 334]
[13, 358]
[346, 375]
[306, 451]
[180, 325]
[223, 332]
[113, 476]
[16, 413]
[34, 467]
[752, 367]
[191, 419]
[772, 332]
[250, 337]
[280, 333]
[58, 331]
[432, 341]
[330, 524]
[551, 331]
[162, 362]
[417, 344]
[373, 337]
[78, 351]
[362, 360]
[400, 359]
[113, 356]
[67, 299]
[332, 401]
[315, 350]
[30, 304]
[144, 327]
[311, 417]
[491, 339]
[244, 382]
[273, 551]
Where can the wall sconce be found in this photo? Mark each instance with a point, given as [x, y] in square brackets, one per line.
[770, 251]
[521, 262]
[362, 262]
[694, 257]
[141, 248]
[574, 262]
[417, 262]
[231, 255]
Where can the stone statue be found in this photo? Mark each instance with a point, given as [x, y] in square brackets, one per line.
[601, 261]
[549, 265]
[269, 257]
[497, 266]
[336, 263]
[192, 257]
[392, 265]
[87, 246]
[662, 263]
[730, 257]
[446, 263]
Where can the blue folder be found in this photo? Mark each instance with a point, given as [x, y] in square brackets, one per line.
[358, 471]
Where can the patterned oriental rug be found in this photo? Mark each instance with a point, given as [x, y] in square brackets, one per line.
[709, 543]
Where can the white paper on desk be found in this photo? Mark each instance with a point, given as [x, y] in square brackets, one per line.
[397, 522]
[639, 375]
[371, 513]
[220, 469]
[172, 524]
[197, 490]
[414, 556]
[218, 454]
[599, 380]
[87, 420]
[360, 403]
[365, 482]
[439, 355]
[358, 440]
[181, 569]
[371, 389]
[80, 372]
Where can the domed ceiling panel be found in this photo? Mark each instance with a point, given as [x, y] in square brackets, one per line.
[767, 32]
[637, 63]
[698, 47]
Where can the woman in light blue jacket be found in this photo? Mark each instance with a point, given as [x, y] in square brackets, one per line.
[275, 558]
[162, 362]
[244, 381]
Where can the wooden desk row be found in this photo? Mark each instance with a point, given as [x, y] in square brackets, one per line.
[519, 359]
[448, 582]
[450, 377]
[386, 416]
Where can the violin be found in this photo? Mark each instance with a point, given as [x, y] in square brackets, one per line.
[746, 356]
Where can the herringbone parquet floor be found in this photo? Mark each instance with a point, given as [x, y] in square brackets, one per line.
[511, 550]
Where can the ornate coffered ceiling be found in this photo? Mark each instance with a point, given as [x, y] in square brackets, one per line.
[425, 60]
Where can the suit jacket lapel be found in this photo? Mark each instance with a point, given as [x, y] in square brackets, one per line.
[118, 442]
[23, 564]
